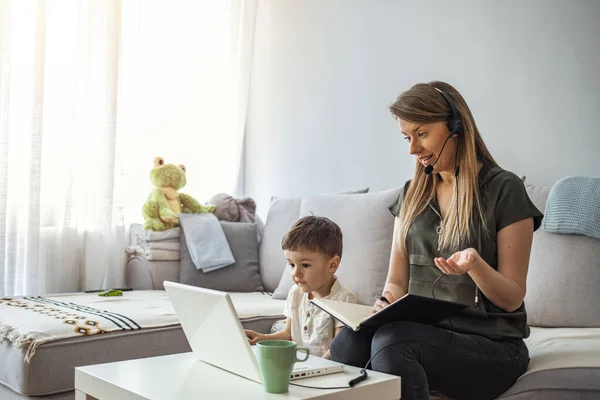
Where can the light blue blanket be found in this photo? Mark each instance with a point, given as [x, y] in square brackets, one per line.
[206, 242]
[573, 207]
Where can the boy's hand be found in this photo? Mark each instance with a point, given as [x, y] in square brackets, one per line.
[253, 336]
[327, 355]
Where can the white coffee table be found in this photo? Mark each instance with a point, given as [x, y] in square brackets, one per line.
[182, 377]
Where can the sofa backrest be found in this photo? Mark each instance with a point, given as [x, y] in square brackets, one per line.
[563, 284]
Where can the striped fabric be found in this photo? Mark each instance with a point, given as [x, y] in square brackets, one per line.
[28, 322]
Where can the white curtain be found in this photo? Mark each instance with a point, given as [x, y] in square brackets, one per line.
[90, 92]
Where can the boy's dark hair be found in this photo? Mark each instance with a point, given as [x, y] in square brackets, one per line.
[314, 233]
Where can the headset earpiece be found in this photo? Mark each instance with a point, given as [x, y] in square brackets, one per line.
[457, 127]
[455, 124]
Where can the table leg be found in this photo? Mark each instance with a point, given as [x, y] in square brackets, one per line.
[79, 395]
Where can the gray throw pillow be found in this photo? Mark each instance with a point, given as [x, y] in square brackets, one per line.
[283, 213]
[242, 276]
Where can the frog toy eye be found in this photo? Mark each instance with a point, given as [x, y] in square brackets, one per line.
[158, 161]
[182, 167]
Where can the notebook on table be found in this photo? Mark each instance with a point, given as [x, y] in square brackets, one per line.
[410, 307]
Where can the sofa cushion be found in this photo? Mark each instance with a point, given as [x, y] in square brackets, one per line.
[242, 276]
[52, 368]
[564, 276]
[554, 348]
[367, 226]
[557, 384]
[283, 213]
[563, 360]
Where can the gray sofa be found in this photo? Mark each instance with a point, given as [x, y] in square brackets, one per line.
[562, 292]
[562, 287]
[562, 295]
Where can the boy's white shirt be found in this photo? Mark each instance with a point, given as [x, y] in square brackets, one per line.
[312, 327]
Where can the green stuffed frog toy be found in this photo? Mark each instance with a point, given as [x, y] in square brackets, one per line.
[161, 210]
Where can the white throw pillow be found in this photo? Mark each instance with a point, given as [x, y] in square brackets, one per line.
[367, 226]
[283, 213]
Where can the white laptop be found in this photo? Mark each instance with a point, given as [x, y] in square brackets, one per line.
[216, 336]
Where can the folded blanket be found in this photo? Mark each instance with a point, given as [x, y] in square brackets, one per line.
[141, 235]
[28, 322]
[163, 245]
[573, 207]
[206, 241]
[153, 254]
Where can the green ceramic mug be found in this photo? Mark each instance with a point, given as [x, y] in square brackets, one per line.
[276, 360]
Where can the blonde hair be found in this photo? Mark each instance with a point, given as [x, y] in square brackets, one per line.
[423, 104]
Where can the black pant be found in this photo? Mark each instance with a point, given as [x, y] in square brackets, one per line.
[457, 365]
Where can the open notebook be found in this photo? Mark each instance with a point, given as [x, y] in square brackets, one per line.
[407, 308]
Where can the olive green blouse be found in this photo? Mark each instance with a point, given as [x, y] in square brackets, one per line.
[505, 201]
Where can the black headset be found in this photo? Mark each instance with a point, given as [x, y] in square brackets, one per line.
[455, 124]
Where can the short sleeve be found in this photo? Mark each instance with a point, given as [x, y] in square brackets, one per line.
[513, 203]
[288, 310]
[397, 204]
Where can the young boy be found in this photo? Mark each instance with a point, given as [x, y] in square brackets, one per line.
[313, 249]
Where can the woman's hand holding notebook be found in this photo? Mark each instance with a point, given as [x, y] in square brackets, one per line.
[407, 308]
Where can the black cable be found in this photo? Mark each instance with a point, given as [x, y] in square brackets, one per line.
[449, 319]
[456, 171]
[320, 387]
[351, 383]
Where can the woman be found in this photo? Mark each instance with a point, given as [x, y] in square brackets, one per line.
[463, 232]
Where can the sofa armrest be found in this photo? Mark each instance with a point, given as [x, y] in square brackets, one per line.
[142, 274]
[137, 274]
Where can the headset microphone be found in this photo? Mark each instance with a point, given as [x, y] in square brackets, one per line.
[429, 168]
[455, 126]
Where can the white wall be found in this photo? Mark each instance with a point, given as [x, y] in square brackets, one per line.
[325, 72]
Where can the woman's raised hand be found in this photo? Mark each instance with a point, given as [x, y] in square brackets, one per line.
[459, 263]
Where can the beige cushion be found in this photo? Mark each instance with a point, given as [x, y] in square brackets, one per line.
[283, 212]
[554, 348]
[256, 304]
[564, 276]
[367, 226]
